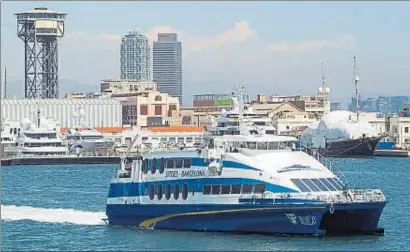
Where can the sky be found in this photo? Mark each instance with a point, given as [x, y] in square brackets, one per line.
[266, 46]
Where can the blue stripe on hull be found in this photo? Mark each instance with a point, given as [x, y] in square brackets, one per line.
[240, 218]
[353, 218]
[137, 189]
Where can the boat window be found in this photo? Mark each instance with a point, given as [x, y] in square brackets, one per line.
[328, 184]
[207, 190]
[176, 191]
[282, 145]
[290, 145]
[159, 192]
[153, 165]
[259, 188]
[179, 163]
[273, 145]
[168, 192]
[251, 145]
[151, 191]
[162, 165]
[189, 139]
[269, 132]
[170, 163]
[216, 189]
[184, 191]
[226, 189]
[145, 166]
[187, 163]
[310, 184]
[300, 185]
[236, 189]
[163, 140]
[338, 183]
[262, 145]
[193, 189]
[181, 140]
[319, 184]
[246, 189]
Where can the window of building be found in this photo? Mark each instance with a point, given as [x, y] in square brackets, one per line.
[207, 190]
[159, 192]
[162, 165]
[406, 129]
[184, 191]
[247, 189]
[151, 191]
[170, 109]
[158, 109]
[143, 110]
[176, 191]
[226, 189]
[216, 189]
[158, 98]
[236, 189]
[168, 192]
[154, 165]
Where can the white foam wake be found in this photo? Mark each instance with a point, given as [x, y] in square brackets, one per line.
[51, 215]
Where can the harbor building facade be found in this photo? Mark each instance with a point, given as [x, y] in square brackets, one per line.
[97, 112]
[135, 57]
[167, 64]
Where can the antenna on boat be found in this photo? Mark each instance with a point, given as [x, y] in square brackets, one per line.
[5, 82]
[356, 87]
[323, 90]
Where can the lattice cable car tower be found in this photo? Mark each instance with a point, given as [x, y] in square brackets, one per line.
[40, 30]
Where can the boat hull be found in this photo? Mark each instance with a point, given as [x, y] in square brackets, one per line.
[351, 148]
[353, 218]
[278, 219]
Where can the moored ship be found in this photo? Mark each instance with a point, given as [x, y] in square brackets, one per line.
[246, 183]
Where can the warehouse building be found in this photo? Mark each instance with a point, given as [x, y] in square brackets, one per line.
[95, 112]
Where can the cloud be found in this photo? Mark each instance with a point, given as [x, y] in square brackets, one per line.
[345, 41]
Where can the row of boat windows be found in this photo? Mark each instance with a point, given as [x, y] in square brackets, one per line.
[264, 145]
[233, 189]
[165, 191]
[318, 185]
[163, 163]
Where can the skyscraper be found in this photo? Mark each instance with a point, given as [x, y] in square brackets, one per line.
[167, 64]
[135, 57]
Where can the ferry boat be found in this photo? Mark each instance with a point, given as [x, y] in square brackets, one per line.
[244, 183]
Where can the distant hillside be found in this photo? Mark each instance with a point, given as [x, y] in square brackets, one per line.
[16, 88]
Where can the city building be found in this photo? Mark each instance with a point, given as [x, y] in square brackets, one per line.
[97, 112]
[167, 64]
[135, 57]
[387, 105]
[400, 131]
[131, 87]
[150, 108]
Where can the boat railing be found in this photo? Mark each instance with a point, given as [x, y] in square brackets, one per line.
[344, 196]
[324, 161]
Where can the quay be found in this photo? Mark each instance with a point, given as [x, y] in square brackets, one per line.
[391, 153]
[59, 160]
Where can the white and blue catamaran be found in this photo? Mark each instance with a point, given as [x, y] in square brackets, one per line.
[244, 183]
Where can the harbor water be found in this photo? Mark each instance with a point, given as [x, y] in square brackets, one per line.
[60, 208]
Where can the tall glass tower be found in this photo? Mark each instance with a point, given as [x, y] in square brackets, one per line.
[135, 57]
[167, 64]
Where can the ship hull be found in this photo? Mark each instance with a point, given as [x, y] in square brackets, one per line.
[351, 148]
[303, 219]
[353, 218]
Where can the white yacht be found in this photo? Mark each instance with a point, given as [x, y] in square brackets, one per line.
[228, 123]
[9, 131]
[87, 140]
[40, 139]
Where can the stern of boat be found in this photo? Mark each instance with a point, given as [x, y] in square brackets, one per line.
[360, 215]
